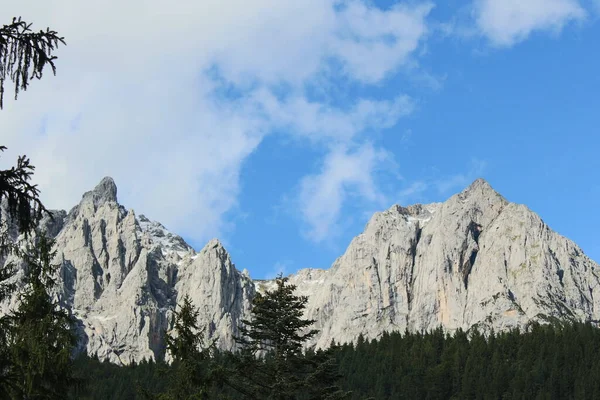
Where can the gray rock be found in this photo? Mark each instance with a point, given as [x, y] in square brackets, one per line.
[475, 260]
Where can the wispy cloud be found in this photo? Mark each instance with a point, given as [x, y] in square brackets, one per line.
[344, 174]
[506, 22]
[323, 123]
[367, 33]
[137, 97]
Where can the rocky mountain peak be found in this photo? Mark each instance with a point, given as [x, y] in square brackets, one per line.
[479, 182]
[479, 187]
[213, 244]
[475, 260]
[479, 198]
[105, 191]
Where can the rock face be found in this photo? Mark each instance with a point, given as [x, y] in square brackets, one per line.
[122, 275]
[474, 260]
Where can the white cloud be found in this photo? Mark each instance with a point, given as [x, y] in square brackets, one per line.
[366, 34]
[321, 122]
[344, 173]
[506, 22]
[132, 98]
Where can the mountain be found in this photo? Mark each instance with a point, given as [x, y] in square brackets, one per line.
[122, 275]
[474, 260]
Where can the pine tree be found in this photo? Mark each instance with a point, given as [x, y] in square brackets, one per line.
[191, 375]
[185, 342]
[41, 334]
[271, 363]
[24, 54]
[22, 209]
[322, 381]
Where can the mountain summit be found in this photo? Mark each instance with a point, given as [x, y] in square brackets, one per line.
[105, 191]
[475, 260]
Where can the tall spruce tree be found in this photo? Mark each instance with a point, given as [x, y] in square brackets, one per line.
[20, 211]
[271, 364]
[41, 334]
[190, 375]
[23, 56]
[36, 338]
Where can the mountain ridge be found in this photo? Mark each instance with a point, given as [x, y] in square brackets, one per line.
[475, 260]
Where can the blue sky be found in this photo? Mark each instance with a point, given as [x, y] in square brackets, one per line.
[281, 127]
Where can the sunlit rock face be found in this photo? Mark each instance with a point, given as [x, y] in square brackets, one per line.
[121, 275]
[474, 260]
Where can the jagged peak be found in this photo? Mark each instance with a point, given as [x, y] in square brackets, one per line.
[105, 191]
[480, 188]
[214, 247]
[479, 184]
[213, 244]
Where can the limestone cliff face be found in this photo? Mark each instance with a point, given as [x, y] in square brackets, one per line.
[116, 276]
[474, 260]
[222, 294]
[122, 275]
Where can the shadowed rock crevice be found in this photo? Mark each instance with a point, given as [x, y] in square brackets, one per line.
[473, 232]
[68, 276]
[414, 242]
[413, 245]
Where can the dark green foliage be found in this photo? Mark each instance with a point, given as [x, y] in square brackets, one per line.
[550, 361]
[186, 342]
[277, 325]
[24, 54]
[105, 380]
[7, 270]
[323, 377]
[39, 335]
[191, 372]
[547, 362]
[23, 212]
[5, 364]
[271, 363]
[22, 198]
[36, 340]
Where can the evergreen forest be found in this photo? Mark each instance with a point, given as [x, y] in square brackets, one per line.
[547, 362]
